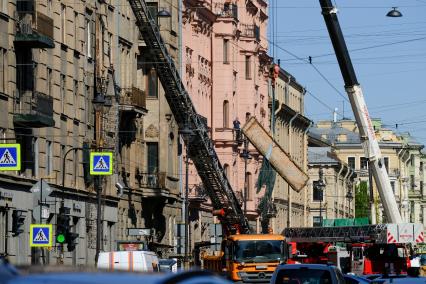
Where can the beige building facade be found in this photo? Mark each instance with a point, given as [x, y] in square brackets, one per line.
[56, 58]
[291, 134]
[401, 155]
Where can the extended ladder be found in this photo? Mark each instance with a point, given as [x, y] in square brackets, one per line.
[200, 146]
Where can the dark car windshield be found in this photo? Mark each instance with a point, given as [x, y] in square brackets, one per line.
[258, 251]
[303, 276]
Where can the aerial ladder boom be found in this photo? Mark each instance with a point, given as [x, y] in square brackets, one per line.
[200, 147]
[359, 108]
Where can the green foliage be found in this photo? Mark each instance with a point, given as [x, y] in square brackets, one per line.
[362, 203]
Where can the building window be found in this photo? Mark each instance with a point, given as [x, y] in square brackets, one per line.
[248, 67]
[249, 186]
[63, 97]
[317, 194]
[49, 82]
[226, 51]
[363, 163]
[75, 167]
[351, 162]
[76, 32]
[421, 167]
[225, 114]
[386, 161]
[317, 221]
[412, 160]
[49, 158]
[63, 23]
[89, 40]
[75, 97]
[49, 8]
[421, 186]
[226, 171]
[3, 70]
[153, 10]
[393, 186]
[152, 161]
[4, 6]
[412, 182]
[152, 83]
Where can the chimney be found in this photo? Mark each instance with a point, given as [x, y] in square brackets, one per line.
[335, 115]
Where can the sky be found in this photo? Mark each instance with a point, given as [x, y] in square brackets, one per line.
[388, 54]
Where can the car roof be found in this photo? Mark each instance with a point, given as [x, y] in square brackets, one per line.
[117, 277]
[309, 266]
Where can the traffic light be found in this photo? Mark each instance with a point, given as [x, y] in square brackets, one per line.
[62, 224]
[18, 221]
[71, 240]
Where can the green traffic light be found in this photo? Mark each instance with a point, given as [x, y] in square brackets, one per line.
[60, 238]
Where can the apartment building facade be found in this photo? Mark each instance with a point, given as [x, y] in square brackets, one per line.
[401, 155]
[56, 59]
[226, 74]
[291, 134]
[335, 199]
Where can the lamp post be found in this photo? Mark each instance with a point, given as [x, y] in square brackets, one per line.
[100, 105]
[186, 133]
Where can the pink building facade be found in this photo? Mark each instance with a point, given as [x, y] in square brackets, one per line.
[225, 59]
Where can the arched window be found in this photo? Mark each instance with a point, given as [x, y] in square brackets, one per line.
[227, 172]
[225, 114]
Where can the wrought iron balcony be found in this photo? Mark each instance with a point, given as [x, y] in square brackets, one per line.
[33, 109]
[251, 31]
[133, 100]
[226, 10]
[151, 180]
[34, 29]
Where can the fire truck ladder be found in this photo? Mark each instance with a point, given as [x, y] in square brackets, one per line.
[200, 147]
[367, 233]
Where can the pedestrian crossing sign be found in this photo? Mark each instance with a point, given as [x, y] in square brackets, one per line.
[100, 163]
[10, 157]
[41, 235]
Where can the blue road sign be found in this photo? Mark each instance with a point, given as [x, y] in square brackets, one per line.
[101, 163]
[41, 235]
[10, 157]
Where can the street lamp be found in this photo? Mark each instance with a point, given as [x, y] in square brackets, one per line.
[186, 132]
[349, 197]
[394, 13]
[163, 13]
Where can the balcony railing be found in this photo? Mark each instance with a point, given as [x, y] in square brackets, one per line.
[33, 109]
[252, 31]
[34, 30]
[226, 10]
[151, 180]
[133, 100]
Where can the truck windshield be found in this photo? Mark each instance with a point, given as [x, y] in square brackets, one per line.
[258, 251]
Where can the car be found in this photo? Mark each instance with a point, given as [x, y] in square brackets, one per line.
[307, 273]
[356, 279]
[74, 275]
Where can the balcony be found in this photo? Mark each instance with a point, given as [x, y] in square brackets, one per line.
[34, 30]
[133, 101]
[33, 110]
[250, 31]
[226, 10]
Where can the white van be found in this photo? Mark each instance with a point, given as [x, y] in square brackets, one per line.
[146, 261]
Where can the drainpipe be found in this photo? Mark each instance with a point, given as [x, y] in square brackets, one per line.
[405, 199]
[290, 144]
[336, 185]
[305, 168]
[180, 162]
[345, 180]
